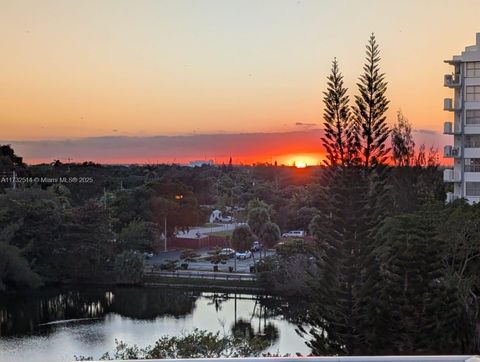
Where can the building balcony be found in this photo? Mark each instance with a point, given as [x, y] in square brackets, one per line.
[451, 128]
[450, 105]
[452, 80]
[450, 175]
[451, 197]
[452, 152]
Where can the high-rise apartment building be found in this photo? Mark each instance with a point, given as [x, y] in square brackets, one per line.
[465, 124]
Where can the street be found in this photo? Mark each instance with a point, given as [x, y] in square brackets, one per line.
[204, 230]
[205, 265]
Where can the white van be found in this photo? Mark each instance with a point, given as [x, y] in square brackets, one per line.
[294, 234]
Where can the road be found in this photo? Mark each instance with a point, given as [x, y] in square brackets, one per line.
[202, 230]
[204, 265]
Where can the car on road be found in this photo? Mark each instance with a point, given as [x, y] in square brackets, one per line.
[256, 246]
[294, 234]
[227, 252]
[247, 254]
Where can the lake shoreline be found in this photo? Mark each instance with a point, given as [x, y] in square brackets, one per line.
[208, 287]
[56, 323]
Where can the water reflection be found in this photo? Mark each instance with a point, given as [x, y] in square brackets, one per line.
[152, 303]
[86, 321]
[22, 314]
[216, 299]
[29, 313]
[243, 328]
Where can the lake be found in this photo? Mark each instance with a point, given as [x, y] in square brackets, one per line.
[55, 324]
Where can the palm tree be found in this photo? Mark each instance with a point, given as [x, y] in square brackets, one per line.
[242, 238]
[269, 235]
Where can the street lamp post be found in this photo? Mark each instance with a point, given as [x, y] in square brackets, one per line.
[178, 197]
[165, 244]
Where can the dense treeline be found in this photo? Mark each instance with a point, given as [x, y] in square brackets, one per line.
[73, 232]
[65, 231]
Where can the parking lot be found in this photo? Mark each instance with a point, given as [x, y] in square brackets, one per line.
[205, 265]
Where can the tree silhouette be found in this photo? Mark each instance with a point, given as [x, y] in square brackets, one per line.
[370, 109]
[338, 140]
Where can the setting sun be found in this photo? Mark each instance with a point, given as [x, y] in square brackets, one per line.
[302, 160]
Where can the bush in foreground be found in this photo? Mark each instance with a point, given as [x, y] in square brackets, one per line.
[197, 344]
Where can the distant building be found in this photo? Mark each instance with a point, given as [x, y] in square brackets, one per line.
[465, 127]
[217, 216]
[200, 163]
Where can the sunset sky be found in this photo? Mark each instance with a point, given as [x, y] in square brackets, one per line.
[87, 72]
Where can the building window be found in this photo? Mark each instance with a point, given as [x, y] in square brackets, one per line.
[472, 141]
[473, 93]
[472, 188]
[472, 165]
[473, 69]
[473, 116]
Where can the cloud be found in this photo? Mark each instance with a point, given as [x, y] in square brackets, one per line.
[242, 147]
[245, 147]
[430, 137]
[427, 131]
[306, 125]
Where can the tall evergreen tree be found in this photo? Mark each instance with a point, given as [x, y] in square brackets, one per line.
[354, 204]
[340, 230]
[340, 239]
[423, 305]
[372, 132]
[453, 312]
[369, 112]
[338, 139]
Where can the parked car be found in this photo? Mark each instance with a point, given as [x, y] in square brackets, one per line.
[294, 234]
[256, 246]
[148, 255]
[227, 252]
[247, 254]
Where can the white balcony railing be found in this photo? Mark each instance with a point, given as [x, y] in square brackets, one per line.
[418, 358]
[448, 105]
[452, 80]
[451, 151]
[450, 175]
[451, 197]
[451, 128]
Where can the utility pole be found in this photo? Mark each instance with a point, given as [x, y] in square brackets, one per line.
[235, 256]
[176, 198]
[165, 233]
[14, 183]
[104, 198]
[69, 160]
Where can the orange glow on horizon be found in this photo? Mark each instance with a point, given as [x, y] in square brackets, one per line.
[302, 160]
[300, 164]
[293, 160]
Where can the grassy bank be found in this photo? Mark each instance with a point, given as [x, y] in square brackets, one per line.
[224, 285]
[222, 233]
